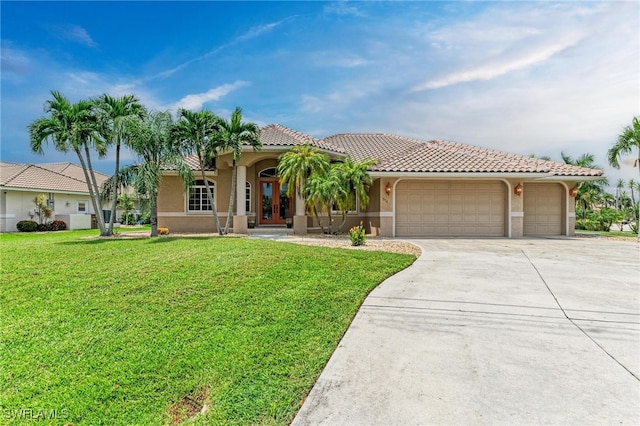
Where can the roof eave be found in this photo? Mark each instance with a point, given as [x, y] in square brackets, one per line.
[462, 175]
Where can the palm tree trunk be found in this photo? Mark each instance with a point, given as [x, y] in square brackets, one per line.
[216, 219]
[116, 185]
[315, 213]
[153, 199]
[232, 197]
[94, 199]
[96, 191]
[344, 220]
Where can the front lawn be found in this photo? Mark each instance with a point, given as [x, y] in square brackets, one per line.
[147, 331]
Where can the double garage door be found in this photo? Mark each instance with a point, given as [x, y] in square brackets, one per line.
[450, 209]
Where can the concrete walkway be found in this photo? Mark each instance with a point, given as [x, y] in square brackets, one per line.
[475, 332]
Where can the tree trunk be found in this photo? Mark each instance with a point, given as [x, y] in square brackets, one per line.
[232, 198]
[315, 213]
[92, 195]
[344, 220]
[153, 199]
[96, 193]
[216, 219]
[116, 185]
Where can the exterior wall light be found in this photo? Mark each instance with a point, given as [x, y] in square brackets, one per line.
[573, 192]
[518, 189]
[387, 188]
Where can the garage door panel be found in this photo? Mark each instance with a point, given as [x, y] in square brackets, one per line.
[542, 205]
[454, 208]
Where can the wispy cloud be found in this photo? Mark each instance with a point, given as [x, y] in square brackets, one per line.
[197, 100]
[343, 8]
[75, 33]
[501, 66]
[13, 61]
[253, 32]
[256, 31]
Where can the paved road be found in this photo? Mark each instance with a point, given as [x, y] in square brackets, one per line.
[476, 332]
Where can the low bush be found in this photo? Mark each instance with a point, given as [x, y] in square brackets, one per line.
[163, 231]
[27, 226]
[357, 235]
[57, 225]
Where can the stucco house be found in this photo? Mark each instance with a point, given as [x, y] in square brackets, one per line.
[420, 189]
[62, 183]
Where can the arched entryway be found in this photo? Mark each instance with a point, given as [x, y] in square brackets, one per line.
[275, 206]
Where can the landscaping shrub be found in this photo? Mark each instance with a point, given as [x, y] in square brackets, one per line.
[42, 227]
[163, 231]
[57, 225]
[357, 235]
[27, 226]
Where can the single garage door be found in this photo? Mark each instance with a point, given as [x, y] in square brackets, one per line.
[542, 209]
[450, 209]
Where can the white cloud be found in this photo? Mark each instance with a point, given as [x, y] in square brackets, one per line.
[342, 8]
[74, 33]
[502, 66]
[257, 31]
[197, 100]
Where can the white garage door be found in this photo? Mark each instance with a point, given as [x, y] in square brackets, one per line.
[450, 209]
[542, 209]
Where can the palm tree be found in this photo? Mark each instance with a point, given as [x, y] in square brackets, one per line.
[72, 127]
[232, 135]
[194, 133]
[322, 190]
[356, 182]
[590, 192]
[627, 141]
[619, 189]
[113, 113]
[296, 165]
[150, 140]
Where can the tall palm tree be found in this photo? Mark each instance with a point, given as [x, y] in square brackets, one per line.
[72, 127]
[619, 189]
[113, 113]
[628, 141]
[194, 133]
[231, 136]
[150, 140]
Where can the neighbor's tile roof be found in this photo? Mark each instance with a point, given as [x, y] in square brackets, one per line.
[400, 154]
[32, 176]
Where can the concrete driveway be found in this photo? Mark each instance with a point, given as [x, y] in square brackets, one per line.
[493, 331]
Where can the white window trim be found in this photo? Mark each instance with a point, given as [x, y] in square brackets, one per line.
[215, 196]
[247, 187]
[86, 207]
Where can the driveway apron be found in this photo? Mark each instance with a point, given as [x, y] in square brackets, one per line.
[492, 331]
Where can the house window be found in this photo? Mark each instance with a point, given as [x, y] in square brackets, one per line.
[353, 205]
[198, 200]
[50, 202]
[271, 172]
[82, 207]
[247, 196]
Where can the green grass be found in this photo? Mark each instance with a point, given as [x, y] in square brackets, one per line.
[627, 234]
[128, 332]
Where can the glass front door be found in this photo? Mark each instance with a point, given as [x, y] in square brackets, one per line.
[276, 206]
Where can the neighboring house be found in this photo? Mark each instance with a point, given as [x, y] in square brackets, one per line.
[62, 183]
[420, 189]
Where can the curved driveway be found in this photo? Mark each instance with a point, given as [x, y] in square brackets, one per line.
[492, 331]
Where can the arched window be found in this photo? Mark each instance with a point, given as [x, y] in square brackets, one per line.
[271, 172]
[198, 200]
[247, 197]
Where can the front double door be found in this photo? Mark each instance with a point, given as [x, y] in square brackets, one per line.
[276, 205]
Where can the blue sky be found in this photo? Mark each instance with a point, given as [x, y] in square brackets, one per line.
[524, 77]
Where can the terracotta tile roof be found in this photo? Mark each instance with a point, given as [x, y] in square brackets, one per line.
[32, 176]
[72, 170]
[278, 135]
[400, 154]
